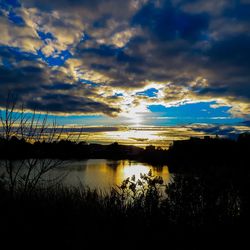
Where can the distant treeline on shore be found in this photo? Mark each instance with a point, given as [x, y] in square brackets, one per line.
[196, 153]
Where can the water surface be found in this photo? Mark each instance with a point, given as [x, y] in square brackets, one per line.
[104, 174]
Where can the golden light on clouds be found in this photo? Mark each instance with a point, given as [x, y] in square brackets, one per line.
[140, 136]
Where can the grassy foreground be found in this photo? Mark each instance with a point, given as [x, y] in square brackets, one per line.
[193, 213]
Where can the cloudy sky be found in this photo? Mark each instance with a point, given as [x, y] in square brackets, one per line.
[179, 65]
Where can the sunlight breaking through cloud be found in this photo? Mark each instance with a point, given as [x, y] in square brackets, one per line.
[125, 58]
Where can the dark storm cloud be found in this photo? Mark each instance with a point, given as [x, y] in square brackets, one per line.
[98, 11]
[10, 54]
[131, 43]
[72, 104]
[68, 4]
[59, 86]
[238, 10]
[16, 74]
[114, 63]
[232, 50]
[227, 67]
[168, 23]
[39, 87]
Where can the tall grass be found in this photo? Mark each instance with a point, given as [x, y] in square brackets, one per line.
[190, 208]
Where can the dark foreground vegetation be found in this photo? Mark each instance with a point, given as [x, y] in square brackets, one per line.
[192, 213]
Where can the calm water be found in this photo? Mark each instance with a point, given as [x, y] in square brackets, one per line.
[103, 174]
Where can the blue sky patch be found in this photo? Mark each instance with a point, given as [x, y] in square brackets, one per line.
[149, 92]
[201, 112]
[16, 19]
[45, 36]
[55, 60]
[200, 109]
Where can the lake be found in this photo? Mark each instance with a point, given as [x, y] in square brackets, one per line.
[104, 174]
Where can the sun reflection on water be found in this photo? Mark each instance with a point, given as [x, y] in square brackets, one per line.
[136, 170]
[104, 174]
[128, 169]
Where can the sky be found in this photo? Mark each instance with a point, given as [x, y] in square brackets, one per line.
[136, 71]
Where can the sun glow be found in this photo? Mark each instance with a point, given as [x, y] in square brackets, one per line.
[136, 115]
[136, 134]
[137, 120]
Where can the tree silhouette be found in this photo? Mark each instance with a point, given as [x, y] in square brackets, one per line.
[18, 124]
